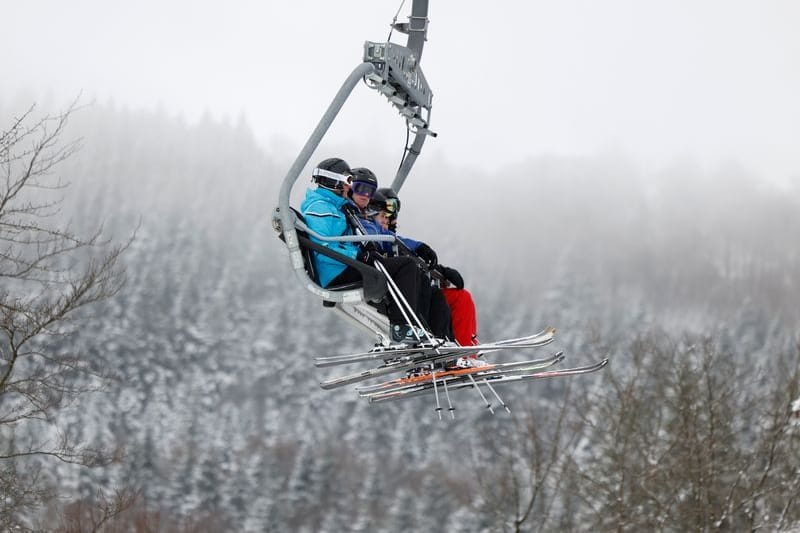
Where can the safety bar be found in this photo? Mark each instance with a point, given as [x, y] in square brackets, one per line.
[346, 238]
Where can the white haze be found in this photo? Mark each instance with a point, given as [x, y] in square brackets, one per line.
[714, 81]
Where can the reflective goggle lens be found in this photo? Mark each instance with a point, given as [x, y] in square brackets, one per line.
[392, 206]
[363, 188]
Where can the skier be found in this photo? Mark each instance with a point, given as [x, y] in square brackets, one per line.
[322, 210]
[459, 299]
[433, 306]
[363, 188]
[378, 219]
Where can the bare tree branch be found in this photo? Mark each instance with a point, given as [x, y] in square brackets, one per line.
[50, 274]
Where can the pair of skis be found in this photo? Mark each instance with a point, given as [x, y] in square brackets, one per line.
[488, 375]
[398, 359]
[431, 375]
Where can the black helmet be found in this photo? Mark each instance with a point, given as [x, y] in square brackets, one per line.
[376, 204]
[392, 201]
[332, 174]
[364, 182]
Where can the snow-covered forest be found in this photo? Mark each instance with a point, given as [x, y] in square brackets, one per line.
[685, 276]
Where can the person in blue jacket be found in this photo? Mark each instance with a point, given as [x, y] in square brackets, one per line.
[375, 218]
[323, 211]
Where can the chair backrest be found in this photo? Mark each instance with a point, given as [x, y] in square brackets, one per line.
[308, 254]
[375, 285]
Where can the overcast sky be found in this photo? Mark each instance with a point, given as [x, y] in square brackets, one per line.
[713, 80]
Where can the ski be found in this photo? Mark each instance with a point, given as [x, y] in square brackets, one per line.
[475, 379]
[430, 355]
[491, 369]
[392, 352]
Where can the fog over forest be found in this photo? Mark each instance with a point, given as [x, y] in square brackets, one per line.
[685, 276]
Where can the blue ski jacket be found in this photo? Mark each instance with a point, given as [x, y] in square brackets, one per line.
[322, 210]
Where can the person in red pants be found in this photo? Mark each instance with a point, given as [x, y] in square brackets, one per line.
[462, 306]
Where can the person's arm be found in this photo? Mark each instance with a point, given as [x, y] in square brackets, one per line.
[325, 220]
[452, 276]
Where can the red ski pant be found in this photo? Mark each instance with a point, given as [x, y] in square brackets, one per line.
[462, 310]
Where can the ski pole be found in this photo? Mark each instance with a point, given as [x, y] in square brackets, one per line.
[449, 404]
[436, 394]
[399, 297]
[396, 294]
[499, 399]
[477, 388]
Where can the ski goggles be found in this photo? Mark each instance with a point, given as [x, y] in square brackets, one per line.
[392, 207]
[363, 188]
[322, 173]
[372, 211]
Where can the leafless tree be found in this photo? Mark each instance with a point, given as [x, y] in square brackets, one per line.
[525, 480]
[96, 514]
[677, 438]
[688, 440]
[48, 274]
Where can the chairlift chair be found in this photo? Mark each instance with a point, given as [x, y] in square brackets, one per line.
[394, 71]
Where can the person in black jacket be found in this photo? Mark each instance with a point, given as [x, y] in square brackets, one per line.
[459, 300]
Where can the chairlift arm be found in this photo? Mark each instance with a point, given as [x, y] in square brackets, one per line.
[284, 210]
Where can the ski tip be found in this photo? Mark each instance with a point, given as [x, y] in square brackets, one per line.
[335, 383]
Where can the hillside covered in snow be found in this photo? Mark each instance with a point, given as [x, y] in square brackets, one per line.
[685, 277]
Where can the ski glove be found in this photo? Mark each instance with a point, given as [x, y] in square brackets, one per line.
[369, 256]
[427, 254]
[452, 275]
[350, 209]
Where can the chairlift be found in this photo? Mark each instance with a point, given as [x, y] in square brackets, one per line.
[393, 71]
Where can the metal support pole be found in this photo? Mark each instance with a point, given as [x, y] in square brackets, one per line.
[417, 35]
[408, 162]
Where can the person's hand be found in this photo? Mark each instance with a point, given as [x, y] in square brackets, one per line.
[368, 255]
[452, 275]
[351, 209]
[427, 254]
